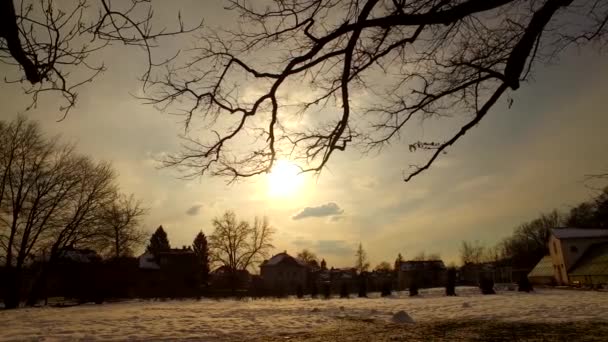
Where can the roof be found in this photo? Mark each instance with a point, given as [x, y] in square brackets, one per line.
[281, 258]
[578, 233]
[593, 262]
[544, 268]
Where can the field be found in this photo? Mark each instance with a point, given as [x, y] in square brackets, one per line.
[545, 315]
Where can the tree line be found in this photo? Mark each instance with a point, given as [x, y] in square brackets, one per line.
[53, 198]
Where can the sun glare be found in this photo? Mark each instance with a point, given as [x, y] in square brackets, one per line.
[284, 179]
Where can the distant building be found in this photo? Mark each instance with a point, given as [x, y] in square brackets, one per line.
[284, 274]
[427, 273]
[576, 256]
[224, 278]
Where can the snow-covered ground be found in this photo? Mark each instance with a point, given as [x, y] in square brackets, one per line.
[239, 319]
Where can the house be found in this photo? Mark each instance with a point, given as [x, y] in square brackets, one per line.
[284, 274]
[576, 255]
[542, 273]
[223, 278]
[168, 273]
[423, 273]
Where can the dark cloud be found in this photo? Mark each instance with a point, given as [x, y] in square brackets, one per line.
[329, 209]
[194, 210]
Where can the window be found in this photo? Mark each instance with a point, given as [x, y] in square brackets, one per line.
[573, 249]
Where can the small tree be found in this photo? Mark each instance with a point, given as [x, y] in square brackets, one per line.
[309, 258]
[386, 289]
[398, 262]
[201, 250]
[524, 284]
[362, 287]
[299, 291]
[323, 265]
[314, 291]
[326, 291]
[158, 242]
[450, 288]
[361, 263]
[383, 267]
[344, 290]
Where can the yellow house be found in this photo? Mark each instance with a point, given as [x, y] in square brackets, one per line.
[568, 247]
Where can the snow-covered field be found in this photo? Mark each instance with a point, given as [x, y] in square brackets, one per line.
[244, 319]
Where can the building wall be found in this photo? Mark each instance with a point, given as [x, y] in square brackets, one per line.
[566, 252]
[283, 277]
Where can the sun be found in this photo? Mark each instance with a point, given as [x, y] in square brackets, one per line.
[284, 180]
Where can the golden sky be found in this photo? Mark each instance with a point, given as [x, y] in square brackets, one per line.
[518, 162]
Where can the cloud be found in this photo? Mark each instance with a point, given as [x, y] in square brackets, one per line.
[326, 247]
[324, 210]
[194, 210]
[333, 247]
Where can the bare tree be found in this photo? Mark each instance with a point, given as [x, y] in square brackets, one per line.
[371, 67]
[53, 44]
[51, 198]
[422, 256]
[238, 244]
[121, 220]
[383, 266]
[309, 258]
[472, 252]
[38, 178]
[361, 262]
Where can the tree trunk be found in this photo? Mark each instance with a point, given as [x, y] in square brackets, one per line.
[39, 287]
[12, 288]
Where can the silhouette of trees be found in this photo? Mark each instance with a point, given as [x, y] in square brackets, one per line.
[323, 264]
[361, 262]
[590, 214]
[51, 199]
[410, 60]
[422, 256]
[122, 219]
[201, 250]
[398, 261]
[528, 244]
[471, 252]
[54, 44]
[309, 258]
[383, 267]
[239, 244]
[158, 242]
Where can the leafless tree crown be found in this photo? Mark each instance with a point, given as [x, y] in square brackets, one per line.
[304, 79]
[53, 43]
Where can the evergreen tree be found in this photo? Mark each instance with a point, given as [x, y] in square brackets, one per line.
[323, 264]
[361, 263]
[158, 242]
[201, 250]
[398, 262]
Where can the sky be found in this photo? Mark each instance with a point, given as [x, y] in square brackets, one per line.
[518, 162]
